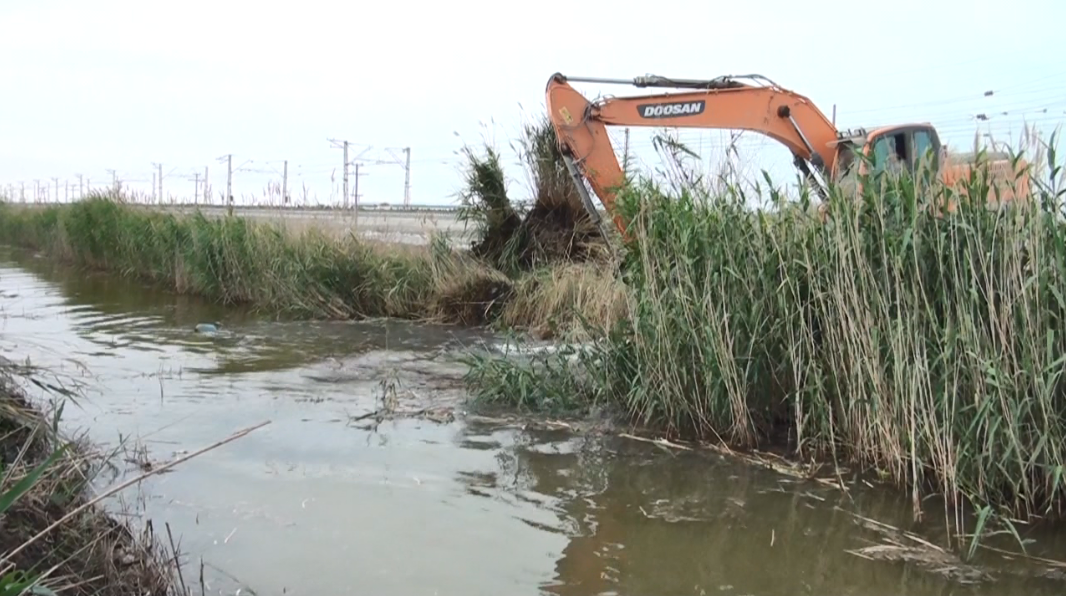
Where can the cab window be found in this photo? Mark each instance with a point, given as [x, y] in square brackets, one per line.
[889, 152]
[923, 144]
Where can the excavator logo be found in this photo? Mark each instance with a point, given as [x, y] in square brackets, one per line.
[671, 110]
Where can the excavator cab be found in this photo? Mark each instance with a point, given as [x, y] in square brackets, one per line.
[910, 147]
[914, 147]
[917, 149]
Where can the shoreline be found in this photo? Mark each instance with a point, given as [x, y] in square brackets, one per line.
[53, 529]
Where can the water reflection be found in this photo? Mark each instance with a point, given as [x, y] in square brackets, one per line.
[117, 314]
[641, 520]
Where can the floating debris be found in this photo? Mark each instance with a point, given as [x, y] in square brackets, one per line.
[208, 327]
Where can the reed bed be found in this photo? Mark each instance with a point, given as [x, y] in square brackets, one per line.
[232, 260]
[878, 331]
[310, 273]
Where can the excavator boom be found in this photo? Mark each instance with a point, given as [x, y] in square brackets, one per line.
[722, 103]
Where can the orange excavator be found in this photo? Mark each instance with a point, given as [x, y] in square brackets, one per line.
[752, 103]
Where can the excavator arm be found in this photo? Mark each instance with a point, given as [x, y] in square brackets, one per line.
[722, 103]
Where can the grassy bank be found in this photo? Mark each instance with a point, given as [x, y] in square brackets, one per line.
[888, 336]
[543, 268]
[44, 479]
[306, 274]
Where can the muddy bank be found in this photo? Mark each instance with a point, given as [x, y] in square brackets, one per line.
[552, 227]
[46, 479]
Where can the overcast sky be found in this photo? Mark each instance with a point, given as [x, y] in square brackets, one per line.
[93, 86]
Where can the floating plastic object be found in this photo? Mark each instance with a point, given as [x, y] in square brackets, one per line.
[207, 327]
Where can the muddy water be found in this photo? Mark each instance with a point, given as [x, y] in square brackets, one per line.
[317, 504]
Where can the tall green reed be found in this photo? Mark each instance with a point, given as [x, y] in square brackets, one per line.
[879, 330]
[232, 260]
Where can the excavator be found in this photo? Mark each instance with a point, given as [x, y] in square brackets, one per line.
[751, 103]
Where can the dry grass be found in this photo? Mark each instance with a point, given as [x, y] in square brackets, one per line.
[568, 301]
[90, 553]
[465, 290]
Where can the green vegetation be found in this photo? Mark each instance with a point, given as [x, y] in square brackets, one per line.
[306, 274]
[52, 539]
[882, 334]
[234, 260]
[313, 273]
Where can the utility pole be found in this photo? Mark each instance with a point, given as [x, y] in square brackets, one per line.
[345, 174]
[195, 188]
[405, 163]
[355, 198]
[56, 180]
[285, 183]
[355, 223]
[228, 158]
[22, 193]
[407, 178]
[114, 182]
[207, 188]
[81, 188]
[343, 145]
[229, 183]
[157, 179]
